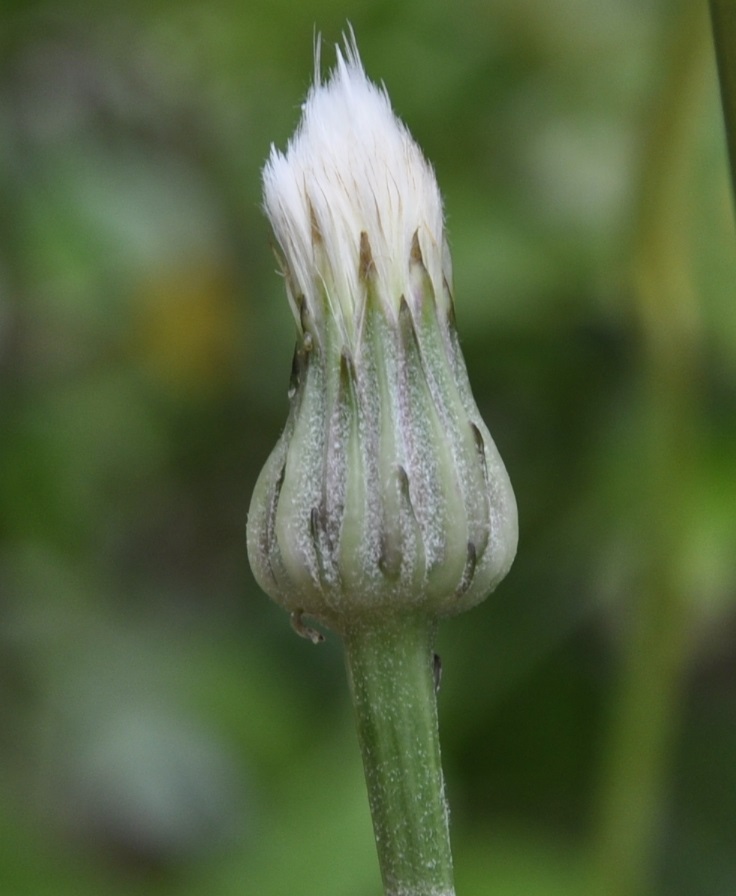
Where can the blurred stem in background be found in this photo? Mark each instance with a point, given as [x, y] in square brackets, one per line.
[646, 708]
[723, 19]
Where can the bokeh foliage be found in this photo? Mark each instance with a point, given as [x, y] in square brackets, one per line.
[162, 731]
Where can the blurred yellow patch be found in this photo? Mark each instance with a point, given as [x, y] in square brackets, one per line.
[185, 327]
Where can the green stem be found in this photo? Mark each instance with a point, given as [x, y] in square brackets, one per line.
[647, 706]
[723, 19]
[390, 670]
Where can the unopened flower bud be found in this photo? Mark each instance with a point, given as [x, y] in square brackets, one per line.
[385, 491]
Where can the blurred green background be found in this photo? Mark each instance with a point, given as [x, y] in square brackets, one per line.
[162, 730]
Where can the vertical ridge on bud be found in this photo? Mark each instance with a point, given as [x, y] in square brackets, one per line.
[385, 490]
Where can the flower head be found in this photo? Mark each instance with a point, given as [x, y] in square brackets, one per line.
[385, 490]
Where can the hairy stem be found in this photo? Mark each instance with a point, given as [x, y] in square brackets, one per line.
[391, 673]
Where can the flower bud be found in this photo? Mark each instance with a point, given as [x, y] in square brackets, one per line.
[385, 491]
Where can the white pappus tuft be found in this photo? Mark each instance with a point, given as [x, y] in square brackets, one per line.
[352, 168]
